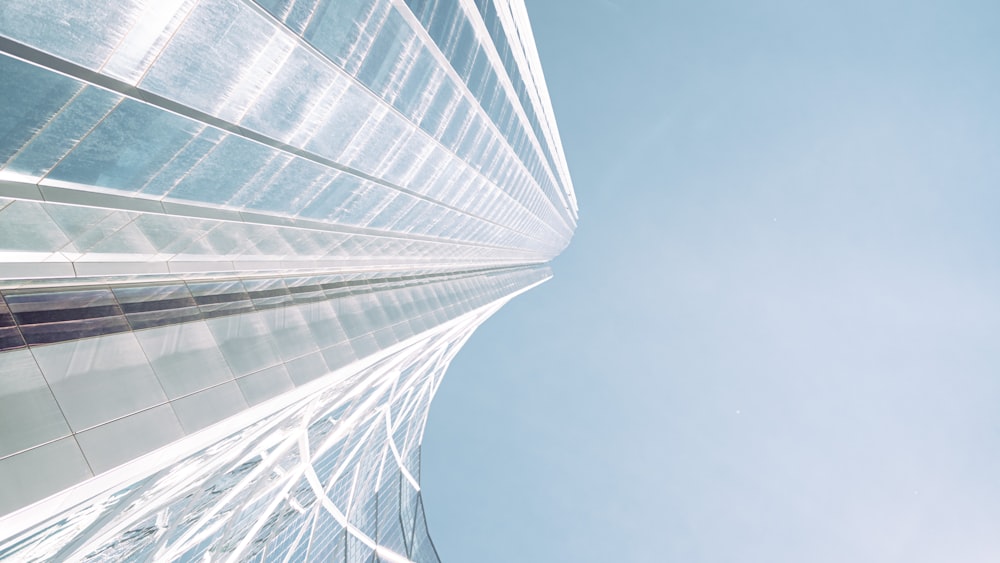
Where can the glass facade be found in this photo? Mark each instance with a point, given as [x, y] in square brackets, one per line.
[240, 242]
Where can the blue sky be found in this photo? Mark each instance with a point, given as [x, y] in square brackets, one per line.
[774, 337]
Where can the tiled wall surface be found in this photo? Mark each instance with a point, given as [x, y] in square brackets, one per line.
[101, 375]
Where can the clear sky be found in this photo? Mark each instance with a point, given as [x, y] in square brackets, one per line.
[776, 334]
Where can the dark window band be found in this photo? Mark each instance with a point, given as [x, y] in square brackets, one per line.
[47, 316]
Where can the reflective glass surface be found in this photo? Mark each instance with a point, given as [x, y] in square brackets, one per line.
[240, 241]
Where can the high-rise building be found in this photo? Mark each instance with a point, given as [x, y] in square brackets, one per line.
[240, 242]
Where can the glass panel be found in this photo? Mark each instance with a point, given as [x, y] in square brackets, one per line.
[56, 316]
[146, 39]
[29, 414]
[332, 197]
[307, 368]
[116, 442]
[184, 357]
[290, 95]
[30, 96]
[209, 406]
[220, 298]
[127, 148]
[99, 379]
[147, 306]
[289, 331]
[343, 122]
[328, 542]
[265, 384]
[290, 189]
[128, 240]
[300, 13]
[79, 222]
[82, 32]
[414, 93]
[213, 52]
[323, 324]
[62, 133]
[244, 342]
[267, 293]
[39, 472]
[171, 235]
[394, 41]
[165, 179]
[337, 27]
[25, 226]
[10, 338]
[222, 173]
[233, 239]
